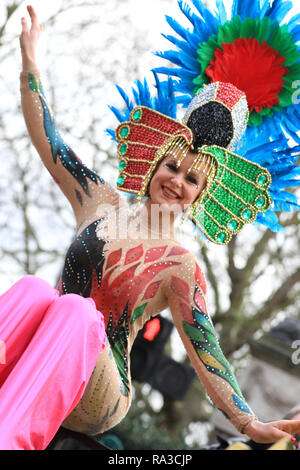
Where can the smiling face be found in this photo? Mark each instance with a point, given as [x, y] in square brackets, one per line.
[175, 186]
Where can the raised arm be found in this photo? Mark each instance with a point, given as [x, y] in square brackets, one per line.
[186, 295]
[83, 187]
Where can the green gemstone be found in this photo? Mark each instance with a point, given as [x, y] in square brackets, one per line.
[124, 132]
[233, 225]
[262, 180]
[247, 214]
[122, 165]
[260, 202]
[123, 149]
[137, 115]
[221, 237]
[120, 181]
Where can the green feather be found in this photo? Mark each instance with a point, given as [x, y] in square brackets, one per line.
[285, 98]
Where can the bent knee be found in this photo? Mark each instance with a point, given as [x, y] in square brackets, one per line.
[30, 282]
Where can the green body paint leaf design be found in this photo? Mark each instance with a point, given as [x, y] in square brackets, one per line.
[33, 83]
[118, 339]
[138, 312]
[205, 342]
[192, 332]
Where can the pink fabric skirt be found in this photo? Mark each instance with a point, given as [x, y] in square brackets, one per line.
[49, 345]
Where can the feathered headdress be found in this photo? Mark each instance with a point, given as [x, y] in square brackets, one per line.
[219, 63]
[259, 53]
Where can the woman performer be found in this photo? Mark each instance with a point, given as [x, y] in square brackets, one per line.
[57, 371]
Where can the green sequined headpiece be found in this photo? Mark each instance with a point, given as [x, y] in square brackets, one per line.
[236, 191]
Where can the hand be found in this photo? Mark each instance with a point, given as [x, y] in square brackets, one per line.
[29, 38]
[267, 433]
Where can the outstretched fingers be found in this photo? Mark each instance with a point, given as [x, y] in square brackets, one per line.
[25, 28]
[285, 429]
[36, 27]
[34, 18]
[289, 426]
[266, 433]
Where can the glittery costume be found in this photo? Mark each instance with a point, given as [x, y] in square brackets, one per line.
[130, 280]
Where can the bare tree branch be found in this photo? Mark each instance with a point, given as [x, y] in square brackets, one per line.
[10, 9]
[279, 299]
[257, 252]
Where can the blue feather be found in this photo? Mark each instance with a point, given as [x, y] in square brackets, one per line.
[172, 57]
[293, 23]
[111, 133]
[246, 9]
[183, 45]
[222, 15]
[296, 32]
[167, 71]
[180, 30]
[264, 9]
[136, 97]
[125, 97]
[182, 73]
[186, 10]
[279, 10]
[164, 102]
[208, 17]
[270, 220]
[118, 114]
[191, 38]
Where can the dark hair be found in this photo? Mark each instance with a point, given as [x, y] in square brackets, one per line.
[212, 125]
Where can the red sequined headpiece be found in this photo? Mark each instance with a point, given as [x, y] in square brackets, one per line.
[143, 141]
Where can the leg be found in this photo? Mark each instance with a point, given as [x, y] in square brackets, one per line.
[105, 401]
[49, 379]
[22, 309]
